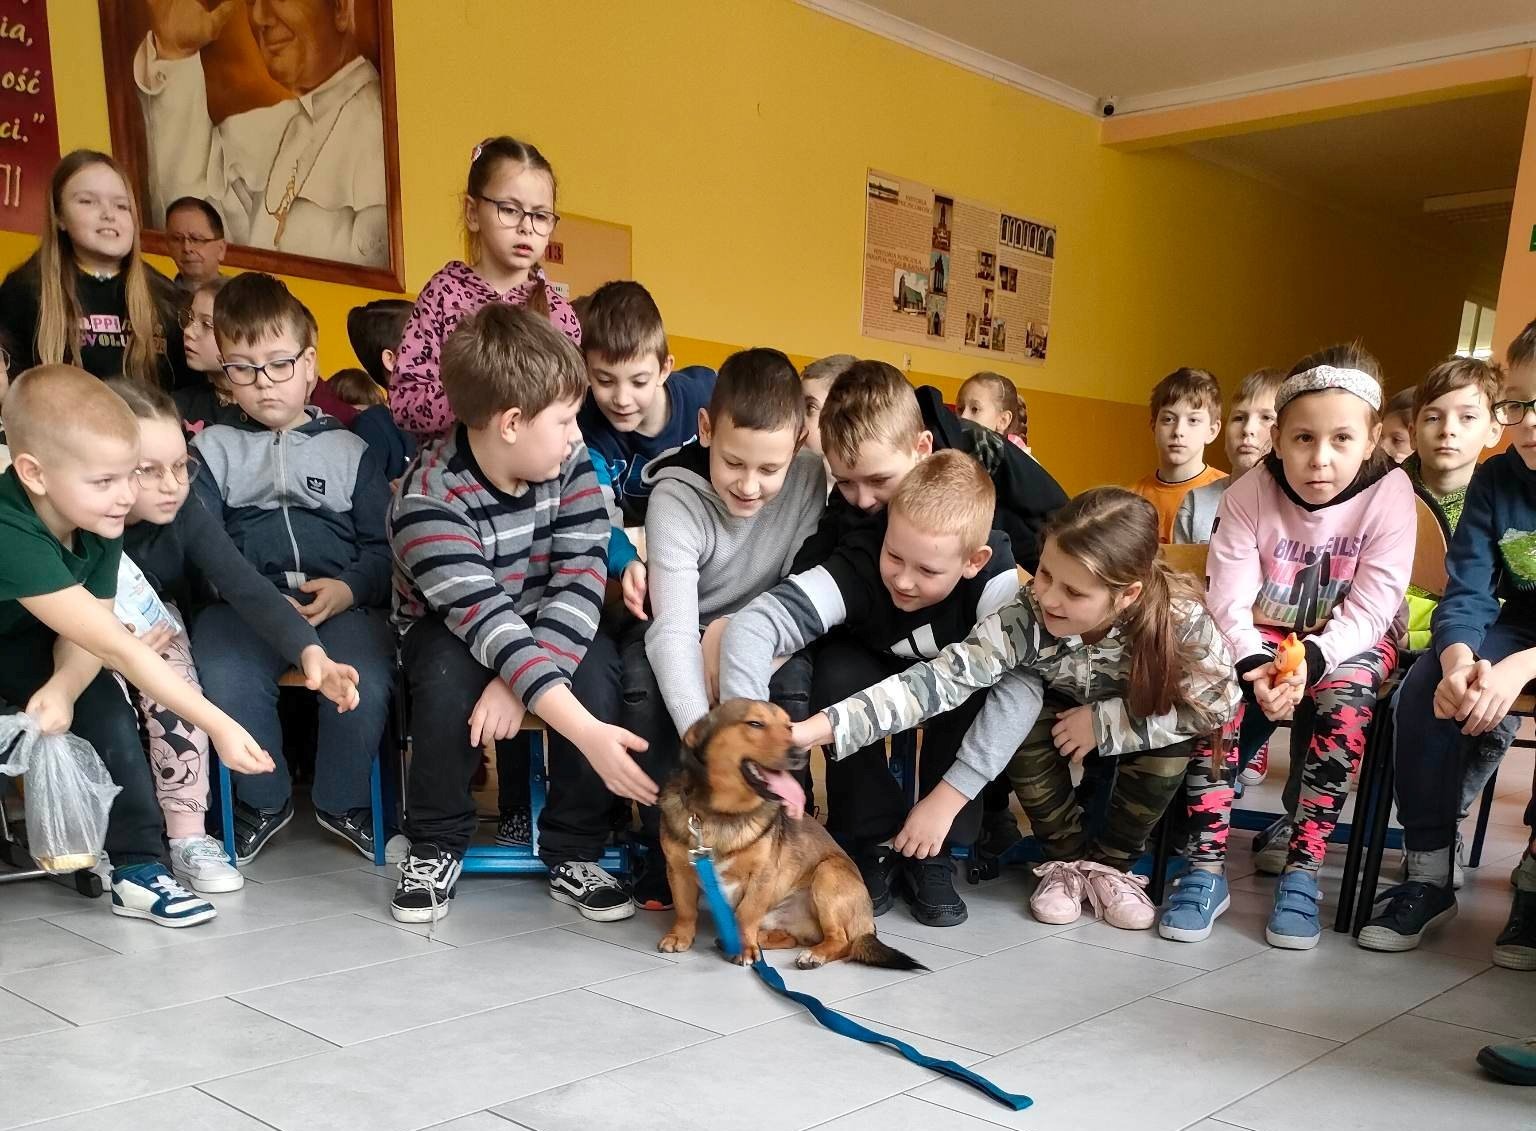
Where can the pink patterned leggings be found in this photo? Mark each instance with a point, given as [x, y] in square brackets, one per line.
[178, 752]
[1344, 699]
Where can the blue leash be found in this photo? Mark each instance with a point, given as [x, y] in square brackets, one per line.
[730, 941]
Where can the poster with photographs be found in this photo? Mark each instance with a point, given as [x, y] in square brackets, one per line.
[951, 273]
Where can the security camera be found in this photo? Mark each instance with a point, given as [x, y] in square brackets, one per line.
[1107, 106]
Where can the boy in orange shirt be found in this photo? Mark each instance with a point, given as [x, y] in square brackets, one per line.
[1186, 417]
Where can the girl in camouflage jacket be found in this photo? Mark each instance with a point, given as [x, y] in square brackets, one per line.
[1105, 649]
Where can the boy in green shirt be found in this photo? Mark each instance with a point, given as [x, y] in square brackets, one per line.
[73, 478]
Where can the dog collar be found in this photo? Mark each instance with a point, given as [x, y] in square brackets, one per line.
[696, 830]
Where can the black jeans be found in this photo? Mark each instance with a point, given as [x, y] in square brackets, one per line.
[645, 713]
[444, 681]
[865, 806]
[105, 719]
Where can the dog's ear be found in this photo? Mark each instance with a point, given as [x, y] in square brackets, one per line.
[697, 738]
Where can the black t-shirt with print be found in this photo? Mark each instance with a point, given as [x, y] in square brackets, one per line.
[104, 323]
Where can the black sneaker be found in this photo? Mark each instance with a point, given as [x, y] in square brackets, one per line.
[928, 886]
[877, 867]
[653, 891]
[429, 878]
[591, 890]
[355, 826]
[1411, 909]
[254, 827]
[1515, 948]
[515, 828]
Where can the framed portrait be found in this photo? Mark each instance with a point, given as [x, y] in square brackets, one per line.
[278, 113]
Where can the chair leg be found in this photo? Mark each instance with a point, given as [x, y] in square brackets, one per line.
[1381, 818]
[227, 809]
[376, 801]
[1483, 813]
[537, 777]
[1162, 852]
[1373, 767]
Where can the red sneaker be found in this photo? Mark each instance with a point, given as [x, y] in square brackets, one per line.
[1254, 772]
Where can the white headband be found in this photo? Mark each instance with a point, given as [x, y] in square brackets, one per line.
[1363, 385]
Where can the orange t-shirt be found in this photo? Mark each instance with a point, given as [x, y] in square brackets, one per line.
[1166, 497]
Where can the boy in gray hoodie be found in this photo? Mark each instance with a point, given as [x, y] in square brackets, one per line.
[727, 515]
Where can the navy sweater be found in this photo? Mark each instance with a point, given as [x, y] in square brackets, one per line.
[1492, 556]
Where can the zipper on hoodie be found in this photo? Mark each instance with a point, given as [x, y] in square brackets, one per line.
[282, 500]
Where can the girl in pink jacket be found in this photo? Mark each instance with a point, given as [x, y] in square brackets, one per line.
[509, 213]
[1316, 540]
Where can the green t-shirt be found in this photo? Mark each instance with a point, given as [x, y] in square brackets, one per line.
[33, 562]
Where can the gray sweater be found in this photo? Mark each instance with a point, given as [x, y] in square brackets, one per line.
[705, 563]
[1197, 513]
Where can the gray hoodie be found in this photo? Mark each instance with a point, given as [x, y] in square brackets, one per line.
[705, 563]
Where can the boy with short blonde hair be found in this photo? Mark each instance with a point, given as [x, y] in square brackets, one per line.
[1186, 416]
[907, 591]
[1397, 429]
[1249, 437]
[63, 506]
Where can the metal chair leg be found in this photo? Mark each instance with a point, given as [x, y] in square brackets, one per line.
[1362, 829]
[1483, 813]
[1381, 818]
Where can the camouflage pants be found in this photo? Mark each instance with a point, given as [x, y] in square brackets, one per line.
[1343, 702]
[1144, 785]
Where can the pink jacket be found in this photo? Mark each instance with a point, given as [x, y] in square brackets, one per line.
[1339, 572]
[416, 396]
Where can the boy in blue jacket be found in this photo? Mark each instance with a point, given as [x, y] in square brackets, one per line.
[305, 501]
[1483, 655]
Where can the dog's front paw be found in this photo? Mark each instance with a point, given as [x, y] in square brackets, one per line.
[675, 941]
[809, 960]
[750, 953]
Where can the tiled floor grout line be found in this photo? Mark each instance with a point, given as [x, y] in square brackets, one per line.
[1170, 961]
[942, 1107]
[1251, 1021]
[281, 1021]
[232, 1107]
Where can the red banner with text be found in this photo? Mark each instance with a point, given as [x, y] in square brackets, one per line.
[29, 128]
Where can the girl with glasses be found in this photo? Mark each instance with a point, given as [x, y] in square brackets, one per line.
[509, 216]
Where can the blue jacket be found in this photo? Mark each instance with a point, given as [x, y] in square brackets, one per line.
[303, 504]
[1492, 555]
[621, 551]
[628, 453]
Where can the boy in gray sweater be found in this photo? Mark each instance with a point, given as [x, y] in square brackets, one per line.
[727, 515]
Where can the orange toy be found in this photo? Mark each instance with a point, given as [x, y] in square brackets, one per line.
[1289, 656]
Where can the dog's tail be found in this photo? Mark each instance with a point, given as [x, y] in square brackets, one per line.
[870, 951]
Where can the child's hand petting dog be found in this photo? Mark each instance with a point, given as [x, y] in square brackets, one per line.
[608, 748]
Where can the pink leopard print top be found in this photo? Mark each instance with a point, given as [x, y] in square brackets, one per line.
[416, 396]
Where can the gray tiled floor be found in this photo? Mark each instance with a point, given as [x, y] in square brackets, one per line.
[304, 1006]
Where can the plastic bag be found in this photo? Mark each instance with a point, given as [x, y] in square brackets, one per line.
[69, 793]
[137, 604]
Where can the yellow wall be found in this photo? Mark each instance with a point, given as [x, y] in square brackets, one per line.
[734, 139]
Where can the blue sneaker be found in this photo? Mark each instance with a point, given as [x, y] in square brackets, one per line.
[148, 891]
[1198, 900]
[1294, 923]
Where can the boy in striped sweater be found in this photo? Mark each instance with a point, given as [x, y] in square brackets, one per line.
[500, 534]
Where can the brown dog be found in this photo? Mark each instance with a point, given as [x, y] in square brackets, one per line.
[790, 883]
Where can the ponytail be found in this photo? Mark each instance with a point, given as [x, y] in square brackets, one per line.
[1153, 636]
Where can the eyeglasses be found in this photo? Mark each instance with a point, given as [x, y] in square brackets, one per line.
[183, 471]
[189, 240]
[189, 319]
[278, 370]
[1512, 412]
[510, 215]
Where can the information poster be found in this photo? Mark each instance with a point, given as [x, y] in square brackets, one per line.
[950, 273]
[29, 128]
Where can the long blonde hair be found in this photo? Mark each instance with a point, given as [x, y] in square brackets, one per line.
[59, 312]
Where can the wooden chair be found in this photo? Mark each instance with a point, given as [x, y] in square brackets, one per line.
[1188, 559]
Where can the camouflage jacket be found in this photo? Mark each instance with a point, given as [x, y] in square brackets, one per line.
[1099, 674]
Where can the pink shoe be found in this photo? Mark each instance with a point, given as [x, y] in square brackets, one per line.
[1117, 897]
[1059, 896]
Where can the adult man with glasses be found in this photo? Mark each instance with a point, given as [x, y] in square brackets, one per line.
[195, 231]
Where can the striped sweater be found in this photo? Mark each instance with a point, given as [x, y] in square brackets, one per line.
[517, 578]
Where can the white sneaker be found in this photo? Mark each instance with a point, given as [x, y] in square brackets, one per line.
[201, 863]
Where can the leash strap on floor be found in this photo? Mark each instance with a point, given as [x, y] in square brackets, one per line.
[730, 942]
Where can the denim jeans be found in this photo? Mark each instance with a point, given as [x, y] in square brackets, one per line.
[240, 672]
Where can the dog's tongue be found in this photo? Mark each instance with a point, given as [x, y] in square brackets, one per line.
[784, 786]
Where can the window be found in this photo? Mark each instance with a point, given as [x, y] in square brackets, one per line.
[1476, 337]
